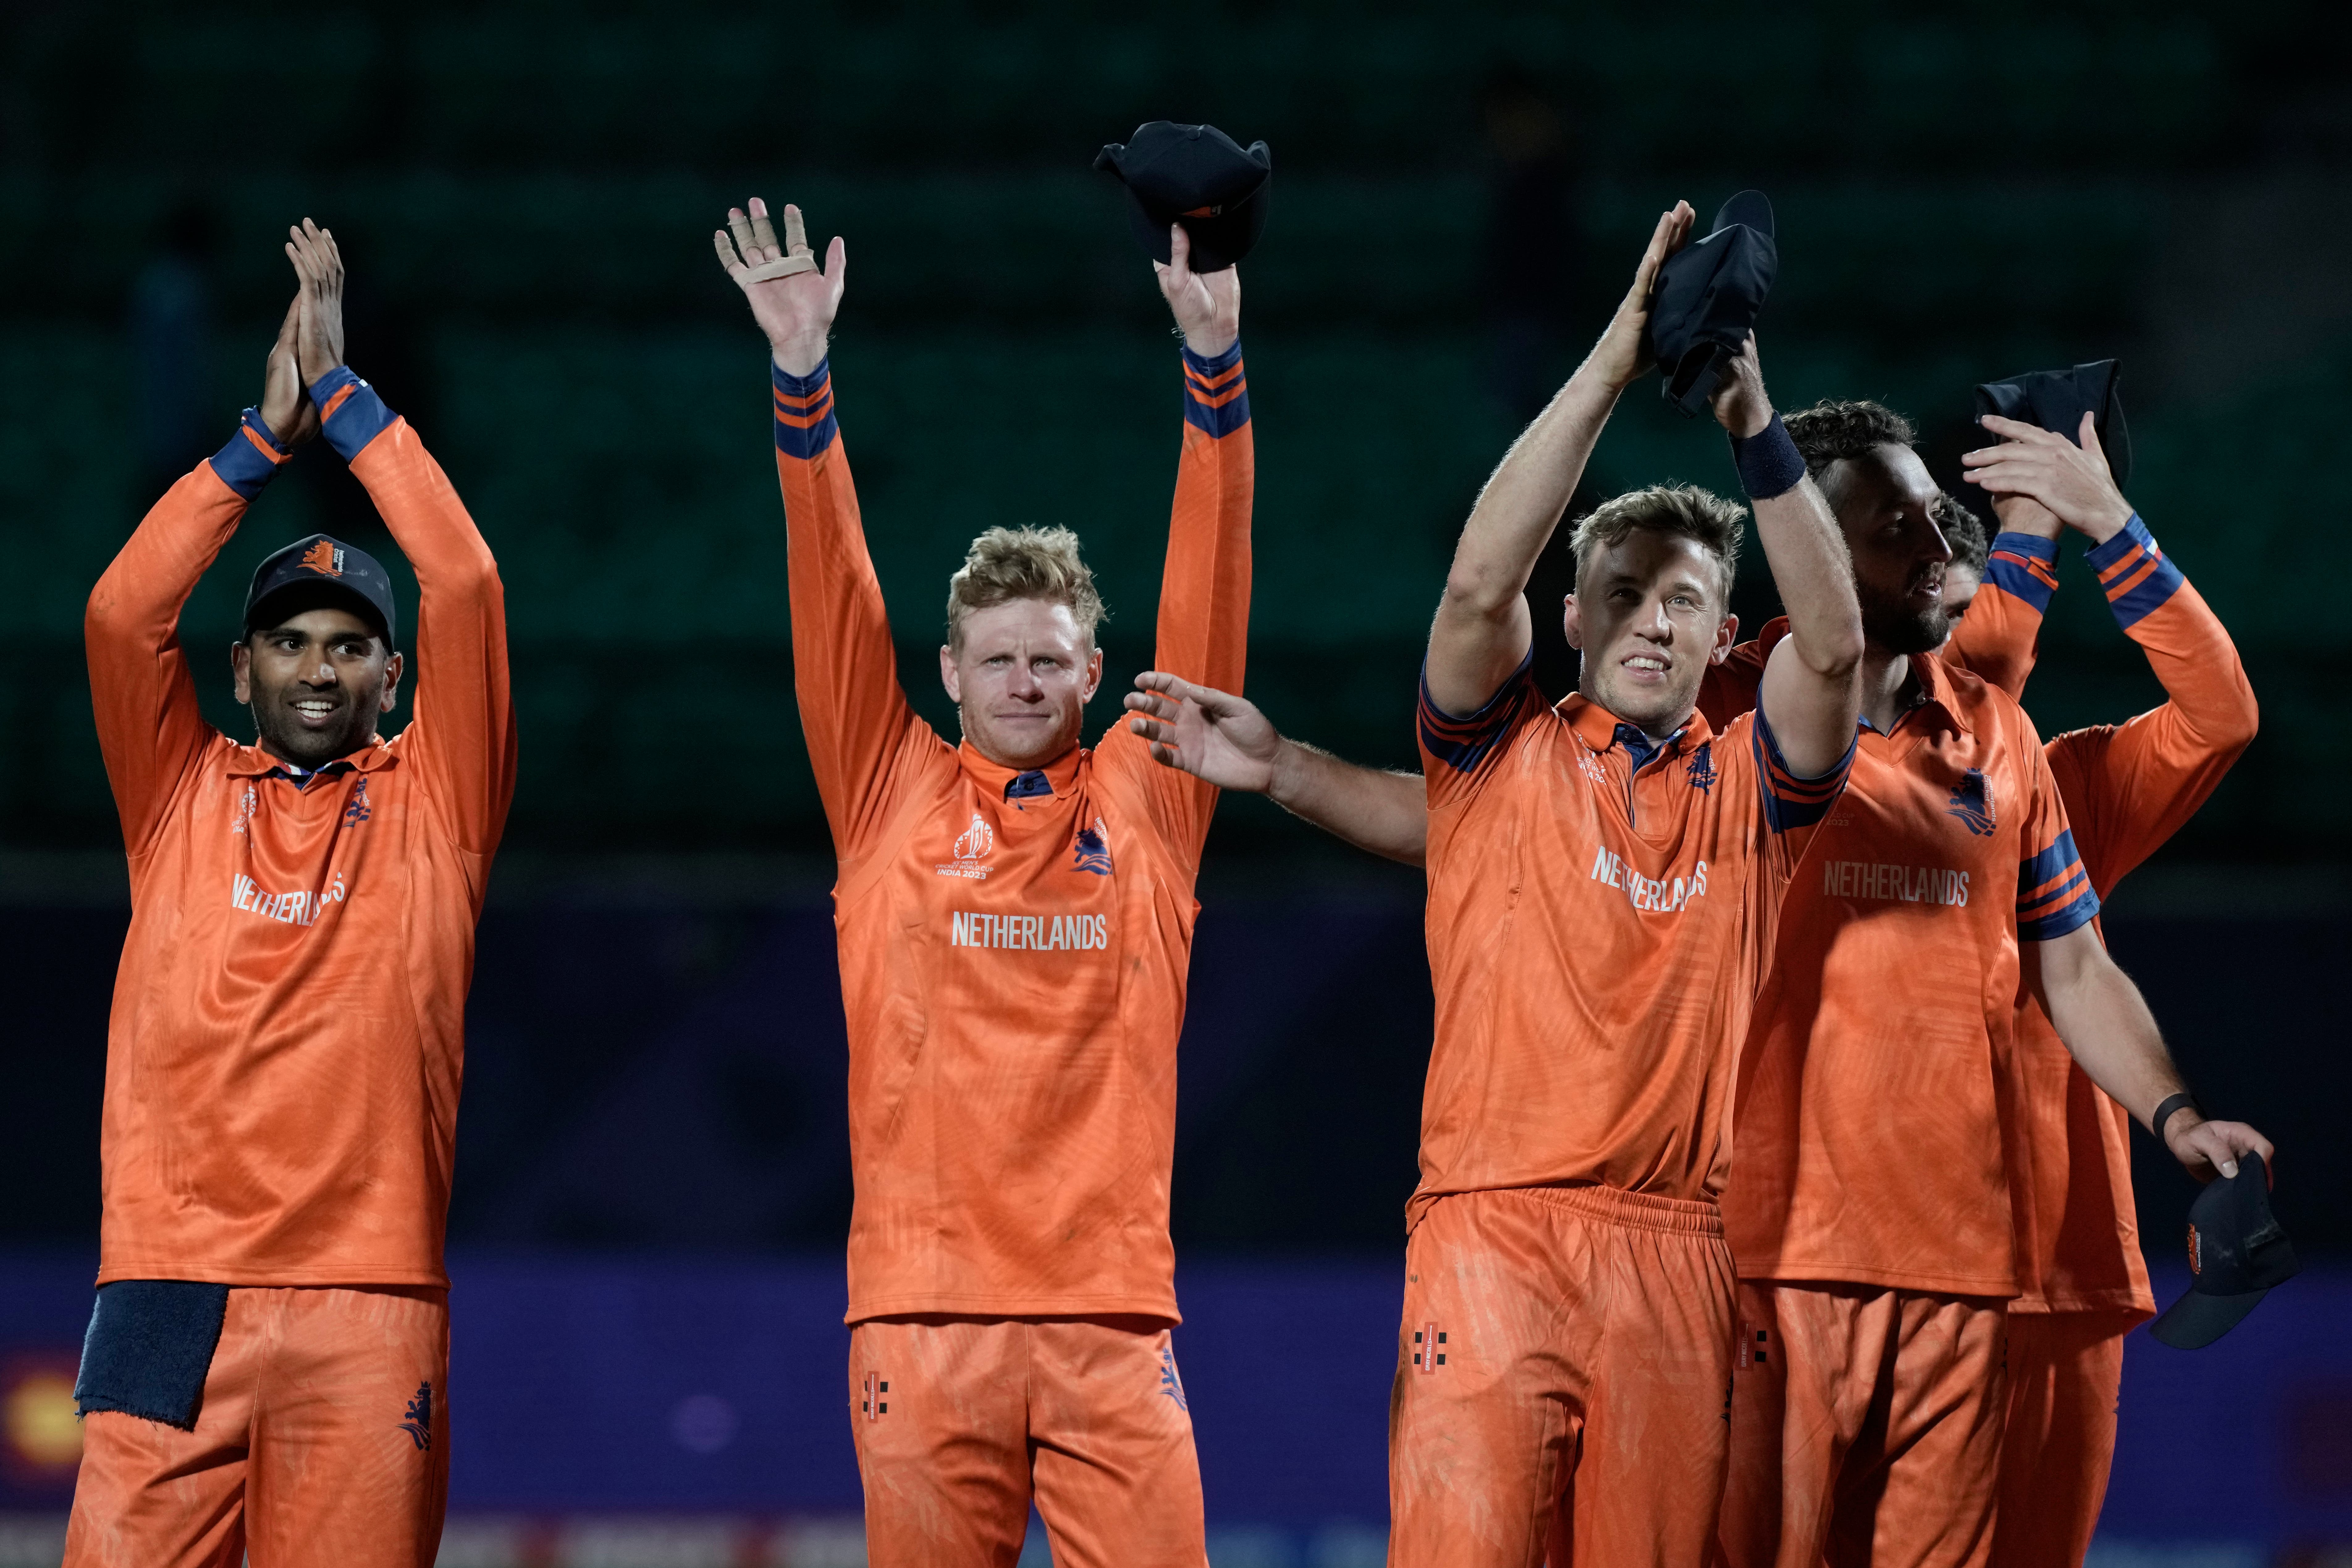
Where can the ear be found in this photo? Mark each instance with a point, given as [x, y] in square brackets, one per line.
[1726, 636]
[948, 677]
[392, 669]
[1094, 675]
[240, 666]
[1570, 624]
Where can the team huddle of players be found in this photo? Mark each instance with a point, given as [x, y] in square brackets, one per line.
[1774, 1202]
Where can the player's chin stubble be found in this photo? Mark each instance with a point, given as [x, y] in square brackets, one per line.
[1899, 629]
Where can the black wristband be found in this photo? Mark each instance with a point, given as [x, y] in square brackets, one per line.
[2164, 1109]
[1769, 462]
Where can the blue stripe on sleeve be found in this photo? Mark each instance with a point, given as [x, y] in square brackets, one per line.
[2137, 575]
[1790, 801]
[244, 467]
[1464, 743]
[358, 419]
[1208, 380]
[2055, 895]
[2010, 567]
[805, 424]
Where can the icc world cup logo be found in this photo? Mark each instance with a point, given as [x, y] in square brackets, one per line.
[974, 842]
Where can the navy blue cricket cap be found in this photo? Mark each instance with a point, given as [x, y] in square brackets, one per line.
[2237, 1253]
[1708, 296]
[315, 572]
[1198, 176]
[2056, 400]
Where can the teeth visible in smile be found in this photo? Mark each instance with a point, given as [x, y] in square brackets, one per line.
[1639, 663]
[315, 707]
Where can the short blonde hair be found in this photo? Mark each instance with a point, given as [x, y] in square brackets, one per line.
[1685, 511]
[1008, 563]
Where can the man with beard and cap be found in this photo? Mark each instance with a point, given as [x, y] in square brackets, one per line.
[1015, 917]
[266, 1371]
[2083, 1283]
[1869, 1202]
[1602, 879]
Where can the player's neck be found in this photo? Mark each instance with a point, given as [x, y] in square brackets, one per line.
[1885, 683]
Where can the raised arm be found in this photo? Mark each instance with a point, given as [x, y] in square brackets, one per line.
[462, 739]
[859, 726]
[1483, 632]
[1811, 695]
[149, 729]
[1224, 741]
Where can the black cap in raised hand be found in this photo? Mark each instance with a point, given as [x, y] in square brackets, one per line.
[1708, 296]
[1198, 176]
[319, 571]
[2056, 400]
[2238, 1252]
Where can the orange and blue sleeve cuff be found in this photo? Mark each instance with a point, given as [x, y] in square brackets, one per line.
[2024, 566]
[252, 458]
[1463, 744]
[2135, 573]
[1790, 801]
[804, 422]
[1216, 394]
[2053, 893]
[350, 412]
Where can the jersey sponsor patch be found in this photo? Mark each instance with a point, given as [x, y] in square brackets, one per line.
[1658, 896]
[1971, 802]
[358, 810]
[1092, 849]
[1893, 884]
[1429, 1354]
[1033, 933]
[287, 908]
[870, 1403]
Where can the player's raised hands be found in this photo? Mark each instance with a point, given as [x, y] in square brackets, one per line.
[1622, 352]
[1217, 738]
[2205, 1147]
[793, 305]
[290, 415]
[319, 264]
[1208, 305]
[2073, 482]
[1738, 400]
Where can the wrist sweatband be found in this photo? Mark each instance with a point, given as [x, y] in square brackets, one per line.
[2165, 1107]
[1769, 462]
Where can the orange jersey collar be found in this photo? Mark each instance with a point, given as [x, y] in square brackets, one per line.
[994, 778]
[252, 762]
[1927, 669]
[1597, 726]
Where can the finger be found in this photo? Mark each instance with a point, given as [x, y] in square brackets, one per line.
[740, 224]
[292, 323]
[334, 254]
[1166, 756]
[1179, 257]
[2088, 440]
[837, 264]
[763, 233]
[795, 232]
[2015, 430]
[727, 257]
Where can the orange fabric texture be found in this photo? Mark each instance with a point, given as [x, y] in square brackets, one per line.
[1869, 1141]
[1865, 1428]
[288, 1034]
[1562, 1368]
[2058, 1441]
[322, 1437]
[1013, 969]
[959, 1424]
[1597, 921]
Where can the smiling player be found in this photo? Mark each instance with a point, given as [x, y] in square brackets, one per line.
[1015, 917]
[265, 1372]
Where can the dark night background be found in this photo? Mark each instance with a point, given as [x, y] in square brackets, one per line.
[525, 194]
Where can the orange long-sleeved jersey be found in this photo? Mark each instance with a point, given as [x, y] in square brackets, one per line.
[286, 1041]
[1014, 946]
[2129, 788]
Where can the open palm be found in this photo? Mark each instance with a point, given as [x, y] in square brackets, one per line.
[796, 310]
[1217, 738]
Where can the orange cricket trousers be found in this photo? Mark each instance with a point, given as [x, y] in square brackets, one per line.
[1865, 1427]
[1562, 1374]
[322, 1436]
[960, 1421]
[2066, 1375]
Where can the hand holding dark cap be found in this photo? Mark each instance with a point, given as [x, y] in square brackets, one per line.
[1708, 295]
[2056, 400]
[2237, 1253]
[1197, 176]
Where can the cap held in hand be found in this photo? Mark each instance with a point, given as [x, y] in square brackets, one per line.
[1708, 298]
[312, 572]
[2238, 1252]
[2056, 400]
[1198, 176]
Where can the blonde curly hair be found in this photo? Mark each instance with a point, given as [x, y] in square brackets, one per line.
[1008, 563]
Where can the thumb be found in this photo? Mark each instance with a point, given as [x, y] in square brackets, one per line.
[2087, 437]
[1179, 255]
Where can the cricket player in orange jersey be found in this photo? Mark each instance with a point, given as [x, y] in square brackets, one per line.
[1015, 919]
[2083, 1283]
[1869, 1203]
[1602, 876]
[265, 1376]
